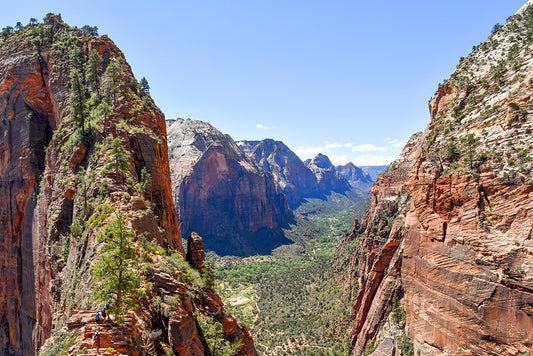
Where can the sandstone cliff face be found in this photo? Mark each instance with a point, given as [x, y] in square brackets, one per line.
[290, 174]
[61, 178]
[327, 177]
[451, 222]
[355, 176]
[222, 194]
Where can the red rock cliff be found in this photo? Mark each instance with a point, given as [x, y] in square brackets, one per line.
[63, 176]
[451, 222]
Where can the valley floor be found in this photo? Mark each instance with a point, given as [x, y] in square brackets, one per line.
[291, 300]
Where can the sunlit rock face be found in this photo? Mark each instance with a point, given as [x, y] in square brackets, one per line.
[450, 225]
[290, 174]
[51, 178]
[221, 194]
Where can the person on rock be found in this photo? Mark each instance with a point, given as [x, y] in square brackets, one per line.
[97, 317]
[96, 341]
[104, 315]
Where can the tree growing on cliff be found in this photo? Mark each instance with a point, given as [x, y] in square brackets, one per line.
[144, 85]
[78, 104]
[90, 30]
[117, 270]
[113, 74]
[93, 67]
[120, 157]
[470, 142]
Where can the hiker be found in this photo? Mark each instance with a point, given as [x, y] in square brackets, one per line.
[107, 306]
[97, 317]
[96, 342]
[104, 316]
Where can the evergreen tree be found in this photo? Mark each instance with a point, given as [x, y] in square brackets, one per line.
[77, 99]
[77, 57]
[114, 75]
[90, 30]
[144, 85]
[120, 157]
[33, 21]
[105, 109]
[94, 65]
[18, 26]
[117, 269]
[6, 31]
[470, 143]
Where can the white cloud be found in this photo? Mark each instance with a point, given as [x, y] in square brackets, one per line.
[306, 152]
[394, 142]
[330, 146]
[372, 160]
[369, 147]
[261, 127]
[367, 154]
[338, 159]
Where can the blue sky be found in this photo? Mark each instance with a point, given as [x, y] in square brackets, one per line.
[350, 79]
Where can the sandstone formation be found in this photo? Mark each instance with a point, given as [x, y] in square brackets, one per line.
[195, 251]
[221, 194]
[327, 177]
[290, 174]
[67, 170]
[355, 176]
[450, 227]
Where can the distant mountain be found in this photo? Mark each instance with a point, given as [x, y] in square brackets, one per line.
[327, 177]
[355, 176]
[374, 171]
[290, 174]
[222, 194]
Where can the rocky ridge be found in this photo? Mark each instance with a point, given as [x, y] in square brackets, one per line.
[290, 174]
[214, 181]
[69, 164]
[449, 231]
[327, 177]
[355, 176]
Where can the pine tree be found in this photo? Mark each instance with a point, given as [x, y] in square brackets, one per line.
[144, 85]
[105, 109]
[94, 65]
[78, 104]
[120, 157]
[114, 75]
[117, 269]
[77, 57]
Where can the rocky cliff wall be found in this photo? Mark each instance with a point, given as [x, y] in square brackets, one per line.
[326, 175]
[68, 164]
[450, 227]
[222, 194]
[291, 175]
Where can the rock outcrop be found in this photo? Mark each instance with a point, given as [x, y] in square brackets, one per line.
[68, 166]
[327, 177]
[290, 174]
[221, 193]
[450, 226]
[355, 176]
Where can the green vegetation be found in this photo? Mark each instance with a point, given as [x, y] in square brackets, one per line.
[213, 338]
[398, 312]
[63, 341]
[282, 298]
[144, 85]
[117, 269]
